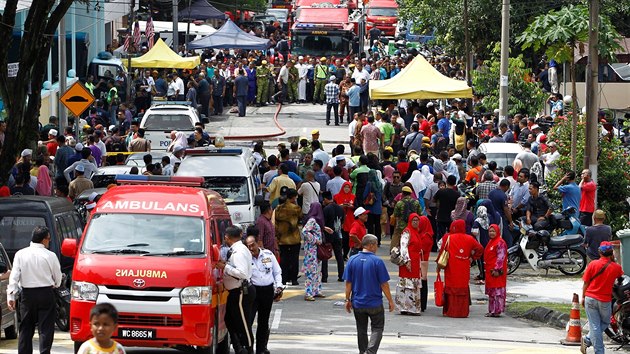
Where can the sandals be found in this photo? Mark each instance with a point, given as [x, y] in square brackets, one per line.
[309, 298]
[320, 296]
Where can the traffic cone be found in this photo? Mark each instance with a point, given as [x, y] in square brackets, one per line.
[574, 332]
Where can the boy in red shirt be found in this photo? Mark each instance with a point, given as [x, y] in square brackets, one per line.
[358, 230]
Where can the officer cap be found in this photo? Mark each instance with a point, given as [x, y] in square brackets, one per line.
[323, 59]
[264, 62]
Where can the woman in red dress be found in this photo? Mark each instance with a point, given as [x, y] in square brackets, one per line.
[345, 199]
[426, 243]
[461, 248]
[409, 285]
[495, 258]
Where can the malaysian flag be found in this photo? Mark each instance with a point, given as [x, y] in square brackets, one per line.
[136, 35]
[149, 32]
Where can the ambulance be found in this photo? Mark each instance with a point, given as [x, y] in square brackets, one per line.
[149, 248]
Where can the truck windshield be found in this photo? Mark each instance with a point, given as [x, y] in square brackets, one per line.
[145, 234]
[16, 231]
[233, 190]
[168, 122]
[313, 44]
[383, 11]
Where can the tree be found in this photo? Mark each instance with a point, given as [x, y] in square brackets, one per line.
[22, 94]
[563, 32]
[525, 97]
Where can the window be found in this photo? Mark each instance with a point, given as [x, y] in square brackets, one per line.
[383, 11]
[234, 190]
[168, 122]
[311, 44]
[16, 231]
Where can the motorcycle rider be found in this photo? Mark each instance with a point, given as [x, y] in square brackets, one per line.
[538, 208]
[599, 277]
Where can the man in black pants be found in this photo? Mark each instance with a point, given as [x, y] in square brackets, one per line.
[38, 272]
[333, 218]
[237, 270]
[267, 279]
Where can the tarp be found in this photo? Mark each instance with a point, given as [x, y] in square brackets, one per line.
[200, 10]
[419, 80]
[232, 37]
[161, 56]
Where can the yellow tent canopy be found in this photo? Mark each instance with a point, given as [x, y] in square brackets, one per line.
[419, 80]
[161, 56]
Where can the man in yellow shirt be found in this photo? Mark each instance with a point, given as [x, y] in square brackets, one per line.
[281, 180]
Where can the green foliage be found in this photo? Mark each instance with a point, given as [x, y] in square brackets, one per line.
[560, 32]
[524, 96]
[613, 176]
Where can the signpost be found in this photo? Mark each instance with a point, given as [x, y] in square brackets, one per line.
[77, 99]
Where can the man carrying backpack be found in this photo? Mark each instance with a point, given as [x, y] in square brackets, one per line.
[405, 207]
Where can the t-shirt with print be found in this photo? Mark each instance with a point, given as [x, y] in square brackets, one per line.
[92, 347]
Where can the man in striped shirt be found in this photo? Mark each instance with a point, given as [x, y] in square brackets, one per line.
[332, 99]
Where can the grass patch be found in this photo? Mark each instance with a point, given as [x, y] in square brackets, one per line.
[518, 308]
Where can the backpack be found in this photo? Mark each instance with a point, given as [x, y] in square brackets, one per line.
[370, 198]
[440, 144]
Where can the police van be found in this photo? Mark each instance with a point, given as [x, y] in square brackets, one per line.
[165, 116]
[149, 248]
[231, 172]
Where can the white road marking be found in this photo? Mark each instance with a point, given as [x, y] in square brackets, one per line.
[277, 315]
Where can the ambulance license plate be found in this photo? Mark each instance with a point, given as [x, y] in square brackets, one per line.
[133, 333]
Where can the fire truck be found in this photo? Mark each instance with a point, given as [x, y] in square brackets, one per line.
[382, 14]
[322, 31]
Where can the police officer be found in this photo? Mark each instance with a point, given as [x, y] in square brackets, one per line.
[262, 82]
[37, 271]
[267, 278]
[294, 78]
[321, 75]
[237, 270]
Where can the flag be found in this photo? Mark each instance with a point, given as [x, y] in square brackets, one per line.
[149, 32]
[127, 42]
[136, 35]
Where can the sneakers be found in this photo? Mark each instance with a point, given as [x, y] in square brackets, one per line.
[584, 343]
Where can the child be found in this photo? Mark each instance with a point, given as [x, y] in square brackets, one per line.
[103, 324]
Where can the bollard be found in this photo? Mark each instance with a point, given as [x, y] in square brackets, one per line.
[624, 237]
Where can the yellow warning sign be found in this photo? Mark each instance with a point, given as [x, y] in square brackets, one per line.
[77, 99]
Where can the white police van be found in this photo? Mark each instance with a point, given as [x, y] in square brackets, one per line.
[165, 116]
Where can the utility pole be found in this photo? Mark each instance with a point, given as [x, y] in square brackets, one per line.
[187, 28]
[467, 45]
[132, 5]
[175, 27]
[63, 115]
[505, 52]
[592, 96]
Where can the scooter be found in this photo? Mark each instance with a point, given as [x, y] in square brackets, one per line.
[619, 328]
[565, 223]
[541, 251]
[62, 304]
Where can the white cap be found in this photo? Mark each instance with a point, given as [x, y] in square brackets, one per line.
[300, 57]
[340, 158]
[111, 127]
[456, 157]
[360, 211]
[79, 168]
[430, 104]
[79, 147]
[26, 152]
[535, 126]
[53, 132]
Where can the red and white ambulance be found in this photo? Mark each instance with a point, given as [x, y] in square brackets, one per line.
[149, 248]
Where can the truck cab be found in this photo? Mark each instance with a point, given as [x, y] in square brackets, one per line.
[149, 249]
[382, 14]
[322, 31]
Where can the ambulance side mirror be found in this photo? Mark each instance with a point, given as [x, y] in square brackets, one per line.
[69, 247]
[216, 252]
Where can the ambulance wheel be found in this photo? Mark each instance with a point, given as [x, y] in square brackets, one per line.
[77, 345]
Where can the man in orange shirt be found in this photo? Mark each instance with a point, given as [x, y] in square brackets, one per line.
[475, 171]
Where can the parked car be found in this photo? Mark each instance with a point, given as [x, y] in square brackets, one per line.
[502, 153]
[8, 317]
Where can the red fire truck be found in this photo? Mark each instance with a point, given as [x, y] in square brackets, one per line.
[322, 32]
[382, 14]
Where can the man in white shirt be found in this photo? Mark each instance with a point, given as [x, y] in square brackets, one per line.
[179, 88]
[302, 72]
[318, 153]
[36, 271]
[309, 190]
[237, 270]
[283, 81]
[267, 279]
[360, 74]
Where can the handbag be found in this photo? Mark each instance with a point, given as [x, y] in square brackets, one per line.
[395, 256]
[324, 251]
[438, 288]
[442, 260]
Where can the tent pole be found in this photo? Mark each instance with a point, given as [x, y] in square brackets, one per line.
[188, 28]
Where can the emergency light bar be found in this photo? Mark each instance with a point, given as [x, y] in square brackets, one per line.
[214, 151]
[159, 102]
[162, 180]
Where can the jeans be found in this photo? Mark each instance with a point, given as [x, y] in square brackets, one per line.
[598, 314]
[335, 108]
[377, 316]
[242, 105]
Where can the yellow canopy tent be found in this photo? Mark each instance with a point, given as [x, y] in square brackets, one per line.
[419, 80]
[161, 56]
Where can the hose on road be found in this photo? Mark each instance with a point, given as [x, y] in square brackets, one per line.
[262, 136]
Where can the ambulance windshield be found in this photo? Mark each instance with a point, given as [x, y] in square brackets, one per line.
[148, 234]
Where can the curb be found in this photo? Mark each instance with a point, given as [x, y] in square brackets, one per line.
[549, 317]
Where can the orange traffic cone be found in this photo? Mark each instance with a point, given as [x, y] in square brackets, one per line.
[574, 332]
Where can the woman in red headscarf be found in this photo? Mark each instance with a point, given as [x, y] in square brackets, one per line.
[495, 259]
[426, 244]
[345, 199]
[409, 283]
[461, 248]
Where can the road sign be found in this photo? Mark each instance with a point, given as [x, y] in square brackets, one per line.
[77, 99]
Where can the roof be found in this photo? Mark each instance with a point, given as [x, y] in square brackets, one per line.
[323, 15]
[419, 80]
[507, 148]
[34, 203]
[213, 166]
[230, 36]
[161, 56]
[200, 10]
[300, 3]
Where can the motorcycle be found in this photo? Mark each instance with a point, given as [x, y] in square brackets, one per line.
[541, 251]
[565, 223]
[619, 328]
[62, 305]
